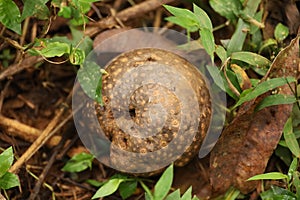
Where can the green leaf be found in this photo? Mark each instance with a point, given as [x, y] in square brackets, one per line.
[188, 194]
[90, 79]
[215, 73]
[281, 32]
[267, 44]
[79, 162]
[65, 11]
[232, 194]
[250, 58]
[208, 41]
[181, 12]
[228, 9]
[148, 196]
[186, 23]
[263, 88]
[174, 195]
[163, 185]
[6, 160]
[54, 49]
[108, 188]
[238, 38]
[183, 17]
[126, 189]
[202, 18]
[95, 183]
[9, 180]
[35, 8]
[293, 167]
[276, 99]
[290, 138]
[77, 57]
[221, 52]
[271, 176]
[296, 183]
[277, 193]
[10, 15]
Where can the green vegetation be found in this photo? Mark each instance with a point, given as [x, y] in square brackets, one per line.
[241, 52]
[7, 180]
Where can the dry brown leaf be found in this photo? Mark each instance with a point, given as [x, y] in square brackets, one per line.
[247, 143]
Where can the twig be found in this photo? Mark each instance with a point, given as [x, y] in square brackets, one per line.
[125, 15]
[44, 137]
[2, 94]
[15, 68]
[43, 175]
[25, 132]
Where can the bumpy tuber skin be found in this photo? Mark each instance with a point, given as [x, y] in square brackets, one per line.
[156, 105]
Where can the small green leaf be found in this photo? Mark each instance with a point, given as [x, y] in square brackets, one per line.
[276, 99]
[290, 138]
[215, 73]
[174, 195]
[238, 38]
[267, 44]
[6, 160]
[95, 183]
[79, 162]
[277, 193]
[202, 18]
[9, 180]
[77, 57]
[221, 52]
[296, 183]
[65, 11]
[250, 58]
[126, 189]
[188, 194]
[281, 32]
[183, 17]
[148, 193]
[108, 188]
[163, 185]
[264, 87]
[54, 49]
[208, 41]
[186, 23]
[10, 15]
[228, 8]
[90, 79]
[293, 167]
[35, 8]
[181, 12]
[148, 196]
[271, 175]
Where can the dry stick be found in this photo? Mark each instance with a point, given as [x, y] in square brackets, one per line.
[15, 68]
[45, 135]
[51, 161]
[125, 15]
[25, 132]
[2, 94]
